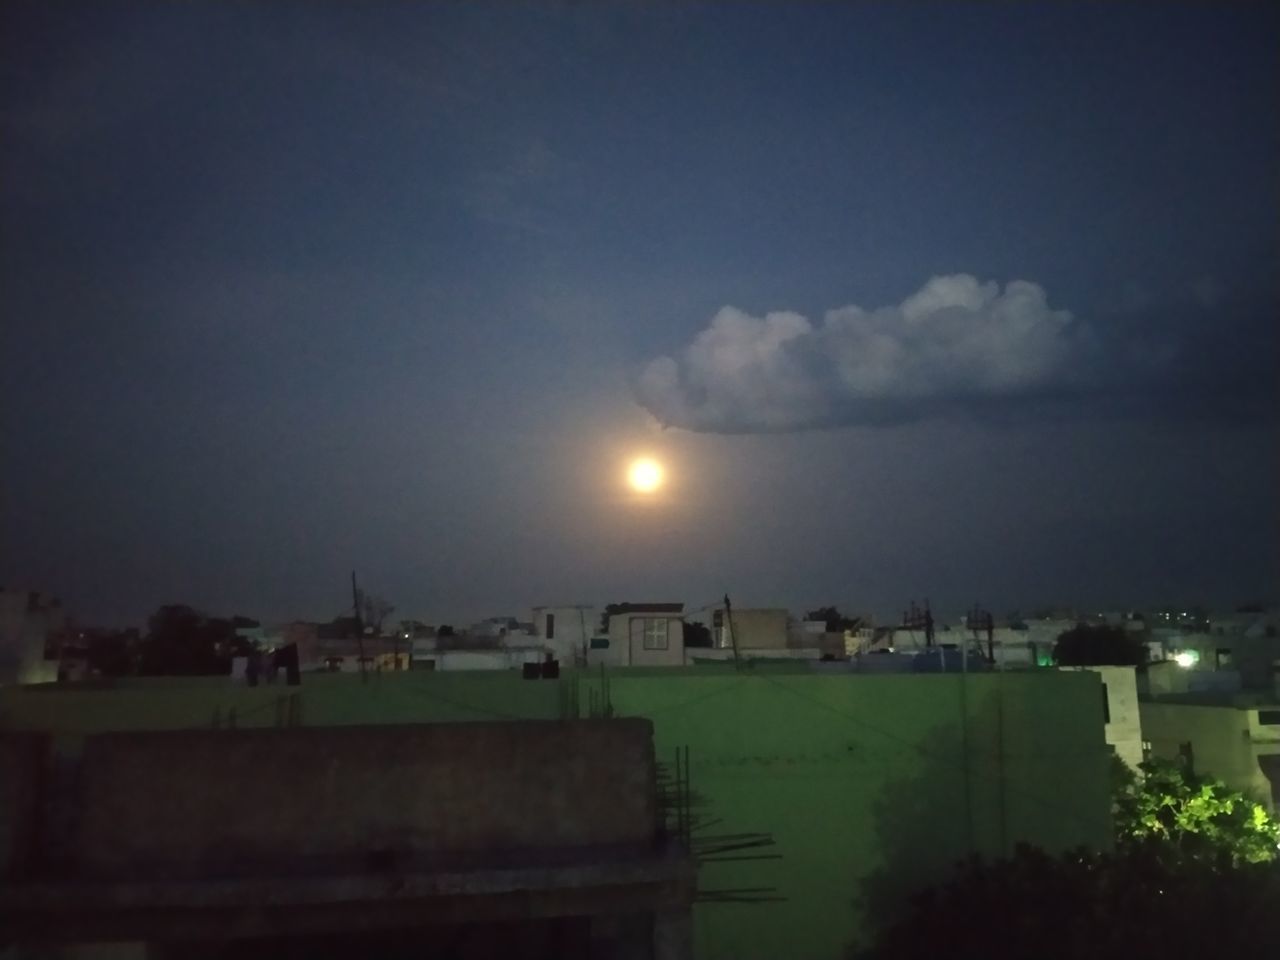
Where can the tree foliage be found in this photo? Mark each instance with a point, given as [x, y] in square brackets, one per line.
[1088, 645]
[836, 621]
[609, 610]
[112, 653]
[1083, 906]
[696, 634]
[1195, 873]
[183, 641]
[1175, 815]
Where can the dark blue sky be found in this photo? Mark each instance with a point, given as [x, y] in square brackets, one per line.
[296, 288]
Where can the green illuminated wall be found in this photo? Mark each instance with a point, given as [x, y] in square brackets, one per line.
[327, 699]
[867, 786]
[871, 785]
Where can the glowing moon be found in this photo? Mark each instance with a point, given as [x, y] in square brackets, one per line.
[645, 475]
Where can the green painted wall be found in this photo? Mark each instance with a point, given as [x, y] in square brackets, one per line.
[327, 699]
[868, 788]
[871, 785]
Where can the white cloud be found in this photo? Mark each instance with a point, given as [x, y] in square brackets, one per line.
[955, 341]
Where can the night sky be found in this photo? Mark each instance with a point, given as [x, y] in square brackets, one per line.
[973, 302]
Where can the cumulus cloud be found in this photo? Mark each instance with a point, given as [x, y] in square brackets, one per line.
[955, 343]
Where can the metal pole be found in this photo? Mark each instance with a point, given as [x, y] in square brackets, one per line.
[733, 634]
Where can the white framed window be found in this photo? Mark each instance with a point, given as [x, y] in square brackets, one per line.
[650, 631]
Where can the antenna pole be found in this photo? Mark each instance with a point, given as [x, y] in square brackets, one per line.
[733, 634]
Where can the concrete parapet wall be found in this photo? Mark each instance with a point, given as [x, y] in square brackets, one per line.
[22, 766]
[199, 803]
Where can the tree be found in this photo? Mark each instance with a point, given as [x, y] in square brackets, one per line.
[1175, 815]
[1189, 852]
[111, 653]
[375, 610]
[183, 641]
[696, 634]
[836, 621]
[609, 610]
[1082, 905]
[1087, 645]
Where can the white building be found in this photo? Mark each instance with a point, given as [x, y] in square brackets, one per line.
[32, 626]
[566, 630]
[643, 634]
[1120, 710]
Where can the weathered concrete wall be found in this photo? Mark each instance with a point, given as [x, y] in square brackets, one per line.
[195, 803]
[1124, 728]
[626, 644]
[1221, 744]
[22, 764]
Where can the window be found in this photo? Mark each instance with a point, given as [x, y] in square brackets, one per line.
[1269, 717]
[652, 632]
[551, 626]
[1224, 658]
[1106, 705]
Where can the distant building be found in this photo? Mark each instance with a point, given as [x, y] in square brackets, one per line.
[754, 628]
[566, 631]
[33, 627]
[643, 634]
[1247, 647]
[499, 627]
[1120, 711]
[371, 653]
[480, 658]
[1233, 737]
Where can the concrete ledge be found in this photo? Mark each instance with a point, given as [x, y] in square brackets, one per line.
[190, 804]
[235, 909]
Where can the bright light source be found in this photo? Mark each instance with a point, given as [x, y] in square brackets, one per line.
[645, 475]
[1185, 659]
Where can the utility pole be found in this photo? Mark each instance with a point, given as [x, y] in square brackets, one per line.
[981, 620]
[355, 603]
[733, 634]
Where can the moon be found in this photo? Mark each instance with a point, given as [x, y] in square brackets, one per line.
[645, 475]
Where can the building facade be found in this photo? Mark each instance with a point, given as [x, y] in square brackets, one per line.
[1233, 737]
[33, 627]
[567, 630]
[1121, 714]
[643, 635]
